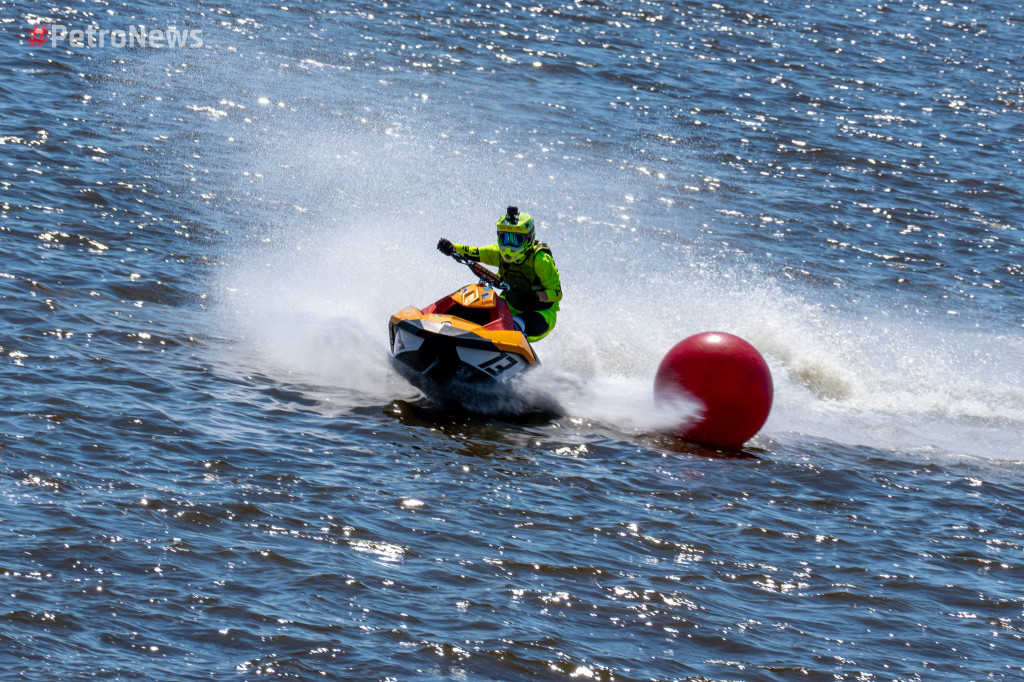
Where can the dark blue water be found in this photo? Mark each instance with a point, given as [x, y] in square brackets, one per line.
[209, 471]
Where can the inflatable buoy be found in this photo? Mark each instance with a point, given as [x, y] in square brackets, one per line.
[729, 378]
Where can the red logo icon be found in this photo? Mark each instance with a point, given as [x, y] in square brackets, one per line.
[37, 36]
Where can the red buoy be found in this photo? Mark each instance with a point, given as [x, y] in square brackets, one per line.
[729, 378]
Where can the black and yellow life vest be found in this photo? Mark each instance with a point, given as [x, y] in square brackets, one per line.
[524, 282]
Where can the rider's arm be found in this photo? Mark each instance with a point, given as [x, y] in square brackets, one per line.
[549, 279]
[488, 255]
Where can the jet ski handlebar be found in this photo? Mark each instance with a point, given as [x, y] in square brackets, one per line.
[486, 276]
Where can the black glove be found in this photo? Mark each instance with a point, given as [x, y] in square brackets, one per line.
[445, 247]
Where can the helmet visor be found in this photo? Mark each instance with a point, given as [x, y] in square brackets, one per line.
[511, 239]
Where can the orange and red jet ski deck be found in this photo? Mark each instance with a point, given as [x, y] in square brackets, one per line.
[467, 337]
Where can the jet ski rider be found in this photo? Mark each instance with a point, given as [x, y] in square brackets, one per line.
[526, 265]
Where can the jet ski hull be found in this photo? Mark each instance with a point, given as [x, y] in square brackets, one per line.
[463, 343]
[450, 354]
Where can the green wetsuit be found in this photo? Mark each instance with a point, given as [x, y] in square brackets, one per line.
[537, 273]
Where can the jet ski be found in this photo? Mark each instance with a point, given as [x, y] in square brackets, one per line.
[463, 345]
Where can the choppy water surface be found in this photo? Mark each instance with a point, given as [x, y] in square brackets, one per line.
[210, 472]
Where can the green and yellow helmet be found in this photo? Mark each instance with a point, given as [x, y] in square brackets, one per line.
[515, 235]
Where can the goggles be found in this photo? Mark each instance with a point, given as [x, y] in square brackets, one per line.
[513, 239]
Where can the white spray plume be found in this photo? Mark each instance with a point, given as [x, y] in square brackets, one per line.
[351, 240]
